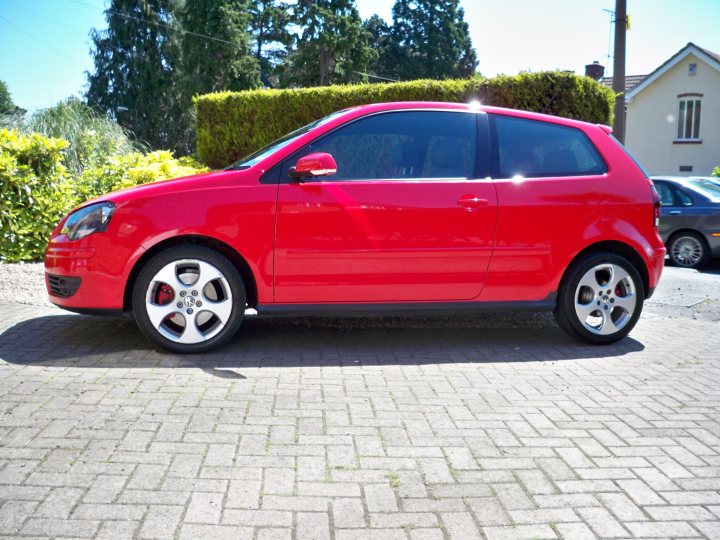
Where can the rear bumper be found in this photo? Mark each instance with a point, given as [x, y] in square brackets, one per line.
[656, 263]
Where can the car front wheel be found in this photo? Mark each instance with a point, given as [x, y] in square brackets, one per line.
[189, 299]
[600, 298]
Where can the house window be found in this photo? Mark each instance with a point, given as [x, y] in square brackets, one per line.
[688, 126]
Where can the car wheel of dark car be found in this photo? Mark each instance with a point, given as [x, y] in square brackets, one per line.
[189, 299]
[600, 298]
[688, 250]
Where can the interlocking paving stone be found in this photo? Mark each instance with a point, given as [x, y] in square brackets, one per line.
[364, 429]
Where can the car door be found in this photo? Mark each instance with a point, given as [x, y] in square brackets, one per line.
[404, 219]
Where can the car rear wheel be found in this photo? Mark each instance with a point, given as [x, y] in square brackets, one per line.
[189, 299]
[688, 250]
[600, 298]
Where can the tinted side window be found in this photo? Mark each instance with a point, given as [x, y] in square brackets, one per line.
[682, 198]
[402, 145]
[665, 193]
[531, 148]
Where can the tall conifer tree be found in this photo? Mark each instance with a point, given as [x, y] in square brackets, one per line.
[332, 46]
[430, 39]
[135, 59]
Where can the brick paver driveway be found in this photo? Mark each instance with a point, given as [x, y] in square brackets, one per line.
[358, 430]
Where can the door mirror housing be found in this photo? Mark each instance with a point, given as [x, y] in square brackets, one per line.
[314, 165]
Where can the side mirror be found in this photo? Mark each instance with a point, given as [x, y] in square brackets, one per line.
[312, 165]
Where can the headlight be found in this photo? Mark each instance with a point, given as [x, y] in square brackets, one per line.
[88, 220]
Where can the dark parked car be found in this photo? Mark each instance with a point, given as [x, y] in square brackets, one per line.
[689, 218]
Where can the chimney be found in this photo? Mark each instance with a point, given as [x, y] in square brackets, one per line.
[595, 70]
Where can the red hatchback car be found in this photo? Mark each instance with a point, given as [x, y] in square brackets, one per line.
[380, 208]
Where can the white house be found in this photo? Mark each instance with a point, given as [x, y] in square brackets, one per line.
[673, 115]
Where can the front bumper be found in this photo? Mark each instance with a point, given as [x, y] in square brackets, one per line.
[77, 278]
[713, 243]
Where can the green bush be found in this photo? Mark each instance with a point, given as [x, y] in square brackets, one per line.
[231, 125]
[716, 172]
[91, 136]
[34, 193]
[124, 171]
[36, 190]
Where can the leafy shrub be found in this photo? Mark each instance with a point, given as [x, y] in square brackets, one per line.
[36, 190]
[34, 193]
[91, 136]
[231, 125]
[124, 171]
[716, 172]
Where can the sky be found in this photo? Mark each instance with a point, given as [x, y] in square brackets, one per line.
[44, 44]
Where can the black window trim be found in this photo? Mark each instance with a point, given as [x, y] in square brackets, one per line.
[481, 167]
[494, 172]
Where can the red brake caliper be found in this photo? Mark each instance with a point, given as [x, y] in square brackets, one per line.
[164, 295]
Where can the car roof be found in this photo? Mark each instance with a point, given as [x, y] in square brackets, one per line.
[473, 106]
[677, 179]
[685, 180]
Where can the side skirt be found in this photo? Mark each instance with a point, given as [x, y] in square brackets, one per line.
[404, 309]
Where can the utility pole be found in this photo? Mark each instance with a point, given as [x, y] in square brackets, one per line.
[619, 69]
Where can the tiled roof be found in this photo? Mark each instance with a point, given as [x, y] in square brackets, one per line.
[631, 81]
[711, 54]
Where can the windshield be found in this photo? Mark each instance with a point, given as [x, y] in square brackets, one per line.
[282, 142]
[707, 187]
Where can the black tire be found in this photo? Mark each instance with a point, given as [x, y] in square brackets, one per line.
[688, 250]
[612, 311]
[195, 298]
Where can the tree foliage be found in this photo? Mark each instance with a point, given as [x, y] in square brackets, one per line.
[428, 39]
[134, 80]
[155, 55]
[6, 102]
[332, 45]
[270, 31]
[225, 62]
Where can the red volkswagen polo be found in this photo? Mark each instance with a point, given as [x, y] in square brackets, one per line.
[387, 207]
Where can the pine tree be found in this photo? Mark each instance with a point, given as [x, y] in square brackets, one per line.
[135, 59]
[270, 30]
[332, 47]
[430, 39]
[225, 62]
[6, 102]
[383, 66]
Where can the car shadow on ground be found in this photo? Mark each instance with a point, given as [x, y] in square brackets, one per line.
[82, 341]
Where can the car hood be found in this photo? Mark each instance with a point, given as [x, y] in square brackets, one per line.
[207, 180]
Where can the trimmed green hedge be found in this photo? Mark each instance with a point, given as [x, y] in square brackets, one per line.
[231, 125]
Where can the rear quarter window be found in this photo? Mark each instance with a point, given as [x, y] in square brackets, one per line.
[532, 149]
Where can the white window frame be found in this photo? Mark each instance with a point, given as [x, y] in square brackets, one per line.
[685, 132]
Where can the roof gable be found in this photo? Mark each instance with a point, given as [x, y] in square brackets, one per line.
[708, 57]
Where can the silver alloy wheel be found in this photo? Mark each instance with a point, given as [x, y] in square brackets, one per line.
[687, 251]
[188, 301]
[605, 299]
